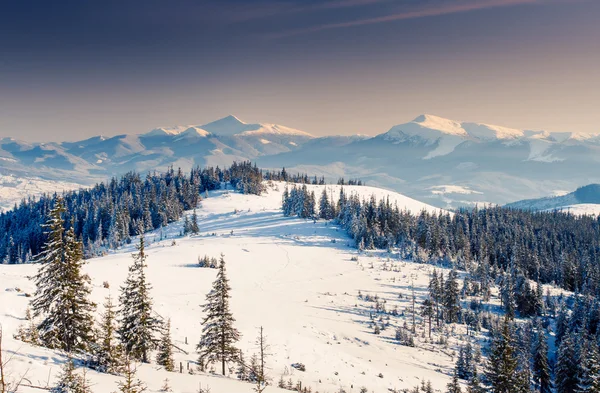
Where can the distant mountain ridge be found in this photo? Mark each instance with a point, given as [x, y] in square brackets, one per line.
[584, 200]
[443, 162]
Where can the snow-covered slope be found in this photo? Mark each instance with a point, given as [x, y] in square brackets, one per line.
[584, 200]
[13, 189]
[291, 276]
[498, 164]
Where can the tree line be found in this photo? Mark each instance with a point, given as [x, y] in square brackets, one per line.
[109, 214]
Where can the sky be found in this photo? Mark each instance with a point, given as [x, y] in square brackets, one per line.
[74, 69]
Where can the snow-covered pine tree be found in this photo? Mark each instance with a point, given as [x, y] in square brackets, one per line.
[242, 369]
[28, 332]
[566, 366]
[131, 384]
[589, 380]
[71, 382]
[186, 225]
[137, 326]
[502, 361]
[164, 357]
[325, 208]
[62, 290]
[454, 385]
[541, 368]
[217, 343]
[194, 228]
[474, 385]
[451, 297]
[108, 353]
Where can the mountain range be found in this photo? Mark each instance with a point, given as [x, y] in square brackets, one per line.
[444, 162]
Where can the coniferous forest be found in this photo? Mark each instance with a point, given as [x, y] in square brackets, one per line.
[512, 251]
[109, 214]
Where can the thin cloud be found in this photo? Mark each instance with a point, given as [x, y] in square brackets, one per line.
[276, 9]
[437, 10]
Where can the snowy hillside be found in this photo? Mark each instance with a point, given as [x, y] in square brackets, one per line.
[583, 201]
[13, 189]
[497, 164]
[294, 277]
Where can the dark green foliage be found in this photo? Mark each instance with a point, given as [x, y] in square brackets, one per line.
[62, 290]
[501, 369]
[138, 326]
[164, 357]
[217, 343]
[107, 352]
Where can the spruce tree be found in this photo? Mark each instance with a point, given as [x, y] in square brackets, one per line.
[502, 362]
[164, 356]
[541, 368]
[62, 290]
[137, 324]
[109, 357]
[217, 343]
[589, 380]
[566, 366]
[474, 385]
[454, 386]
[194, 228]
[451, 297]
[131, 384]
[71, 382]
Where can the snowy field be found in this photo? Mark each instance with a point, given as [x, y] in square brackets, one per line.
[294, 277]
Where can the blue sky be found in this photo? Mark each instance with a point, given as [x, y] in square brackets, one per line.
[72, 69]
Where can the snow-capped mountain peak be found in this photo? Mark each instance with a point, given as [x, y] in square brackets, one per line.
[229, 125]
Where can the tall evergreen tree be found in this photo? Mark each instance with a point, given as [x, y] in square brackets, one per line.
[108, 352]
[62, 290]
[217, 343]
[541, 368]
[451, 297]
[164, 356]
[138, 326]
[589, 380]
[502, 362]
[566, 366]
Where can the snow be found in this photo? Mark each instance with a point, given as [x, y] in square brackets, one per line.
[13, 189]
[162, 131]
[580, 209]
[291, 276]
[452, 189]
[491, 132]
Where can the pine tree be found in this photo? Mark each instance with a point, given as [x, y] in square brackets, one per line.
[566, 366]
[242, 369]
[451, 297]
[71, 382]
[219, 336]
[108, 353]
[137, 325]
[29, 332]
[131, 384]
[474, 385]
[263, 354]
[62, 290]
[194, 223]
[502, 362]
[589, 380]
[541, 368]
[166, 387]
[164, 356]
[454, 386]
